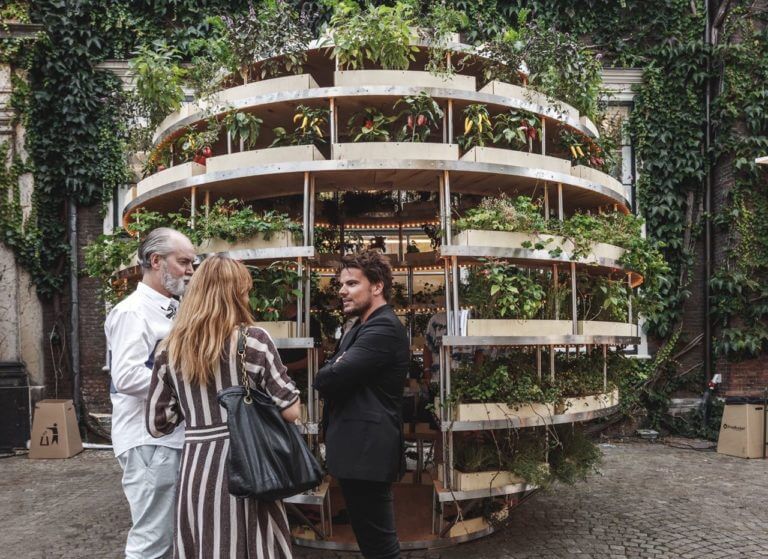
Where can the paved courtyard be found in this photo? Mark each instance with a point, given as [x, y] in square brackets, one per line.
[652, 500]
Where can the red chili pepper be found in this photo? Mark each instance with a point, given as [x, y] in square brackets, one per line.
[369, 124]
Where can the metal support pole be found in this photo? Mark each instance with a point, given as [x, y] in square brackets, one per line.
[207, 203]
[629, 302]
[543, 135]
[447, 201]
[305, 209]
[193, 210]
[546, 200]
[74, 304]
[538, 361]
[560, 211]
[605, 368]
[229, 143]
[443, 210]
[300, 300]
[551, 362]
[450, 121]
[573, 298]
[311, 217]
[334, 132]
[556, 289]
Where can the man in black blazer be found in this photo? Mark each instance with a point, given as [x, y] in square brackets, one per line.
[363, 388]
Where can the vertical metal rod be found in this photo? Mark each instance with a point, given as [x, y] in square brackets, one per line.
[551, 362]
[556, 289]
[447, 186]
[546, 200]
[573, 298]
[443, 211]
[605, 368]
[300, 300]
[229, 143]
[242, 145]
[334, 131]
[543, 135]
[450, 121]
[448, 298]
[538, 361]
[629, 302]
[170, 149]
[445, 126]
[455, 292]
[74, 304]
[305, 209]
[193, 210]
[560, 212]
[311, 217]
[207, 203]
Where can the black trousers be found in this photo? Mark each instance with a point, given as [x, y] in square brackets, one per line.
[372, 515]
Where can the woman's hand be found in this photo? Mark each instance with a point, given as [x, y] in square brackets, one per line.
[292, 412]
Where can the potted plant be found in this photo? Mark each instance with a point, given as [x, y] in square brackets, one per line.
[309, 123]
[422, 113]
[517, 129]
[244, 127]
[275, 287]
[478, 129]
[370, 125]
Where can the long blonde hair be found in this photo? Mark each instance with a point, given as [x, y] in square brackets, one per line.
[215, 302]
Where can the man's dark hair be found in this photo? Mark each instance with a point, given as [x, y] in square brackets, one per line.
[374, 266]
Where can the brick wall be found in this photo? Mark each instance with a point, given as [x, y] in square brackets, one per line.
[94, 381]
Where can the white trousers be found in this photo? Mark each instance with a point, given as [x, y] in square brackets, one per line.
[150, 473]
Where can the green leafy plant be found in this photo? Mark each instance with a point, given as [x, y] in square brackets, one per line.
[232, 220]
[516, 128]
[378, 34]
[159, 80]
[274, 288]
[195, 145]
[273, 33]
[422, 113]
[370, 125]
[502, 213]
[309, 123]
[444, 20]
[478, 129]
[498, 289]
[243, 126]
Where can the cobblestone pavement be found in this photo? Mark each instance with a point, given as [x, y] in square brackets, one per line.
[651, 501]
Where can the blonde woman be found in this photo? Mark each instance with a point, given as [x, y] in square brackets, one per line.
[196, 361]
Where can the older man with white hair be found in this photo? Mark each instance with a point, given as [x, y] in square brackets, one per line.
[134, 328]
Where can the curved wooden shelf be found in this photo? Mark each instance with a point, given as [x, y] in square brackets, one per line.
[468, 177]
[445, 495]
[517, 422]
[287, 99]
[574, 339]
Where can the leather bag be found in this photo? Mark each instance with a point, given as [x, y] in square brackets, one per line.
[268, 458]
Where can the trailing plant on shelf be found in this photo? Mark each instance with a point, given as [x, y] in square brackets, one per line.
[502, 213]
[497, 289]
[422, 113]
[370, 125]
[572, 455]
[516, 128]
[444, 21]
[600, 298]
[273, 33]
[375, 34]
[232, 220]
[478, 129]
[309, 122]
[274, 288]
[243, 126]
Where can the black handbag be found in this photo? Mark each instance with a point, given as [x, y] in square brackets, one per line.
[268, 458]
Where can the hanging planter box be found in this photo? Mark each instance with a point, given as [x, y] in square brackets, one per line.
[472, 481]
[402, 78]
[279, 329]
[552, 107]
[539, 413]
[263, 157]
[598, 177]
[278, 239]
[595, 402]
[396, 150]
[512, 327]
[604, 328]
[234, 95]
[515, 158]
[169, 175]
[516, 239]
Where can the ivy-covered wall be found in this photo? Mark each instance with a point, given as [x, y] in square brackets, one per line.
[77, 138]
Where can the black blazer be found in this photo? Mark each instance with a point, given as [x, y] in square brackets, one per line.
[362, 385]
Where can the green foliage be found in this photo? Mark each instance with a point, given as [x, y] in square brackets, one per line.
[378, 34]
[443, 21]
[275, 287]
[573, 455]
[231, 220]
[502, 213]
[422, 113]
[497, 289]
[516, 128]
[159, 79]
[272, 32]
[370, 125]
[309, 123]
[478, 129]
[243, 126]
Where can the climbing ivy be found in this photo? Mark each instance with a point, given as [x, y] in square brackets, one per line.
[740, 282]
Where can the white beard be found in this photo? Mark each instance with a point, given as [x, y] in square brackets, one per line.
[175, 286]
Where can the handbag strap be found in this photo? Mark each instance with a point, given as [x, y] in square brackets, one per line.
[241, 341]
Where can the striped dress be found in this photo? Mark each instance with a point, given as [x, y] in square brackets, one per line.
[210, 523]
